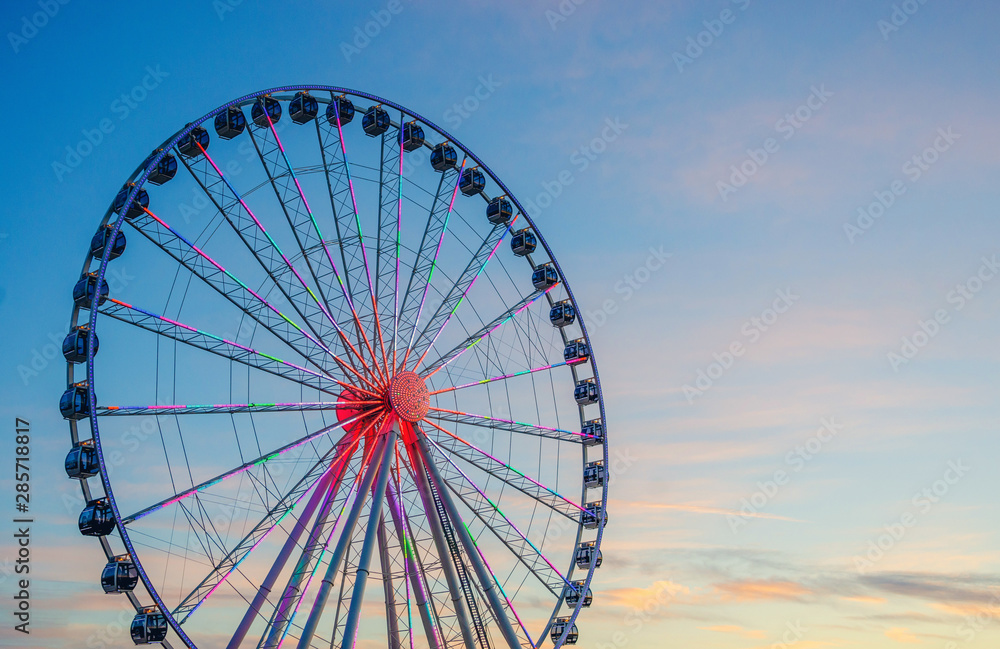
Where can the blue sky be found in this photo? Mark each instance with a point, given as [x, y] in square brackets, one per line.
[822, 177]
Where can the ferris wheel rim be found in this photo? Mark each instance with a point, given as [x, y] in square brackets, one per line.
[139, 178]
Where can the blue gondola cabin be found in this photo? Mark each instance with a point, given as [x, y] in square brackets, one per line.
[75, 402]
[266, 111]
[562, 314]
[81, 461]
[148, 626]
[74, 346]
[559, 627]
[586, 553]
[472, 181]
[586, 392]
[523, 242]
[499, 210]
[194, 143]
[100, 241]
[593, 432]
[576, 351]
[340, 107]
[412, 136]
[303, 108]
[375, 122]
[86, 289]
[572, 594]
[544, 277]
[163, 171]
[120, 575]
[444, 157]
[137, 207]
[230, 123]
[97, 518]
[594, 474]
[593, 516]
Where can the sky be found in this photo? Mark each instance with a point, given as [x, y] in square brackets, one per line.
[779, 220]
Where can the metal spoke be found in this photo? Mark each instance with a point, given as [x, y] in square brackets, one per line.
[413, 565]
[374, 519]
[310, 557]
[482, 333]
[240, 469]
[324, 488]
[261, 245]
[506, 425]
[485, 462]
[419, 475]
[507, 376]
[457, 294]
[347, 220]
[423, 268]
[390, 202]
[305, 227]
[220, 346]
[226, 408]
[212, 273]
[272, 519]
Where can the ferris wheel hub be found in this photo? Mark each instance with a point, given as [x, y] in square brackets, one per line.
[408, 396]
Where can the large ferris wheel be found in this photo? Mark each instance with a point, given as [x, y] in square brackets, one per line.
[346, 394]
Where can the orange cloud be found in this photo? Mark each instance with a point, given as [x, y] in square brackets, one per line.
[863, 599]
[902, 635]
[735, 629]
[639, 598]
[700, 509]
[750, 590]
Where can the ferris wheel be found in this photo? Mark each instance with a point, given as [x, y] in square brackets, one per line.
[346, 394]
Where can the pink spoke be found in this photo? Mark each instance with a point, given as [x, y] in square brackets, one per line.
[508, 376]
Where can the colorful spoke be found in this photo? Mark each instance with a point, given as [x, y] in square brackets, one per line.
[506, 425]
[322, 242]
[506, 376]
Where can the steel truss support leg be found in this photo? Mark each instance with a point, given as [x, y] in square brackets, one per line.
[339, 552]
[413, 570]
[392, 622]
[485, 576]
[458, 601]
[371, 534]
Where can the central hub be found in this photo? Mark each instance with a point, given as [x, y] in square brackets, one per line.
[408, 396]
